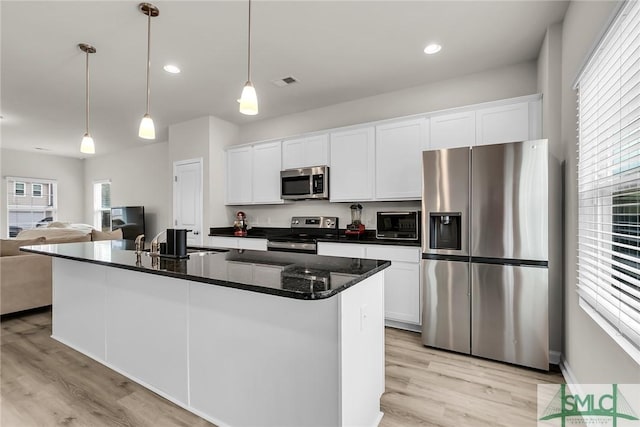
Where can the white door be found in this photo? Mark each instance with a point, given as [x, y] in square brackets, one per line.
[187, 198]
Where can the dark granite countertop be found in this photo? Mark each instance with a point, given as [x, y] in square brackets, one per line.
[369, 237]
[285, 274]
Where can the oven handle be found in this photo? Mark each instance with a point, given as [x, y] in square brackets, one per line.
[290, 246]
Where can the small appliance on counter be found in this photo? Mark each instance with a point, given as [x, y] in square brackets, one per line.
[398, 225]
[176, 245]
[356, 228]
[240, 224]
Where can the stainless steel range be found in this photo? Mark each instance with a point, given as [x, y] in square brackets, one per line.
[305, 230]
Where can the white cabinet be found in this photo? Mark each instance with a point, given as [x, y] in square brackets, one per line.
[402, 290]
[238, 243]
[399, 160]
[352, 165]
[305, 152]
[238, 173]
[253, 174]
[266, 173]
[453, 130]
[506, 123]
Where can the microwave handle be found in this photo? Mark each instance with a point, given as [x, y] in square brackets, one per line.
[398, 213]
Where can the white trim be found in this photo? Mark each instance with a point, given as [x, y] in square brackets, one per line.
[570, 377]
[598, 41]
[31, 178]
[24, 189]
[629, 348]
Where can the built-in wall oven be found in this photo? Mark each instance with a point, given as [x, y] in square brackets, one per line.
[305, 183]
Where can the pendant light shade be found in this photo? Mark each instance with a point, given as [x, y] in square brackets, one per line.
[147, 130]
[87, 146]
[249, 100]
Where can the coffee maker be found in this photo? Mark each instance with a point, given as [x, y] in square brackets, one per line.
[356, 228]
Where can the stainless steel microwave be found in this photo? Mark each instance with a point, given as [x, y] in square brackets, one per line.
[398, 225]
[305, 183]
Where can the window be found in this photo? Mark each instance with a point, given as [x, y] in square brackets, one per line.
[102, 205]
[609, 182]
[30, 210]
[18, 189]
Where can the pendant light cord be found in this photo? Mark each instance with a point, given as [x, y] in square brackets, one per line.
[87, 95]
[148, 57]
[249, 47]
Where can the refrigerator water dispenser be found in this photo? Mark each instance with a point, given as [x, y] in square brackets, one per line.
[445, 230]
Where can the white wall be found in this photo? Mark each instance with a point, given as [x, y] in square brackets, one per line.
[549, 85]
[206, 138]
[139, 176]
[67, 171]
[590, 353]
[499, 83]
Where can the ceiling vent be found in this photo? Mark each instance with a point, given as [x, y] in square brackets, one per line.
[285, 81]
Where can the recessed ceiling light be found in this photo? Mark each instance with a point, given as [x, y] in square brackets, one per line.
[432, 48]
[172, 69]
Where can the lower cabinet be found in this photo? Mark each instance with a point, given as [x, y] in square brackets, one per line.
[402, 289]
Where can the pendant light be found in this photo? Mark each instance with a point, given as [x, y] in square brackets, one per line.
[249, 100]
[147, 129]
[87, 146]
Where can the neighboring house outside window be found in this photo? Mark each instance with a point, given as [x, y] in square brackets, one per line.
[102, 205]
[30, 209]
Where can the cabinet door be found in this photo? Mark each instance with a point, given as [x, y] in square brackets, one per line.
[239, 176]
[453, 130]
[402, 292]
[305, 152]
[223, 242]
[352, 165]
[252, 244]
[506, 123]
[266, 172]
[399, 160]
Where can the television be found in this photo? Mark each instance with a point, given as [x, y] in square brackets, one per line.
[130, 219]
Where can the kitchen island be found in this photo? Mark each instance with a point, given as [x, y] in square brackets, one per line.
[240, 338]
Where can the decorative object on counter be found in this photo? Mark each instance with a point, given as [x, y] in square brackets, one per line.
[176, 243]
[147, 130]
[240, 224]
[249, 100]
[356, 228]
[87, 145]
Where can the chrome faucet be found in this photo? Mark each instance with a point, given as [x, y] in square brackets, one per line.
[139, 244]
[155, 245]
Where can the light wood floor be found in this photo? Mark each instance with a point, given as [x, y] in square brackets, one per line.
[44, 383]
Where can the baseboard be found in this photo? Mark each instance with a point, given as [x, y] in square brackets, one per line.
[570, 377]
[402, 325]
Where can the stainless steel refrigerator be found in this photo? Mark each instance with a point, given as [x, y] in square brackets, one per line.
[485, 247]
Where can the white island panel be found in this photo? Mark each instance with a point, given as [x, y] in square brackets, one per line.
[78, 306]
[146, 323]
[263, 360]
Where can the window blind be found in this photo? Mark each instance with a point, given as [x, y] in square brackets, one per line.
[609, 181]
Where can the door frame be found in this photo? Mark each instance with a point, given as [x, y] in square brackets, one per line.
[176, 164]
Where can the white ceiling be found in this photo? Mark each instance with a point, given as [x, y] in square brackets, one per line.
[338, 50]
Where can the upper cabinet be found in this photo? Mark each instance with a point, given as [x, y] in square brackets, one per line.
[266, 172]
[453, 130]
[398, 168]
[239, 179]
[506, 123]
[305, 152]
[352, 174]
[253, 174]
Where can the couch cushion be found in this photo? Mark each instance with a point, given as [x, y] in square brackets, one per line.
[106, 235]
[56, 235]
[11, 247]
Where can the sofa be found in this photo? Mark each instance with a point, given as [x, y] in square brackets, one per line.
[25, 278]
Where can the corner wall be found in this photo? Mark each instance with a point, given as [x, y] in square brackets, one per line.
[591, 354]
